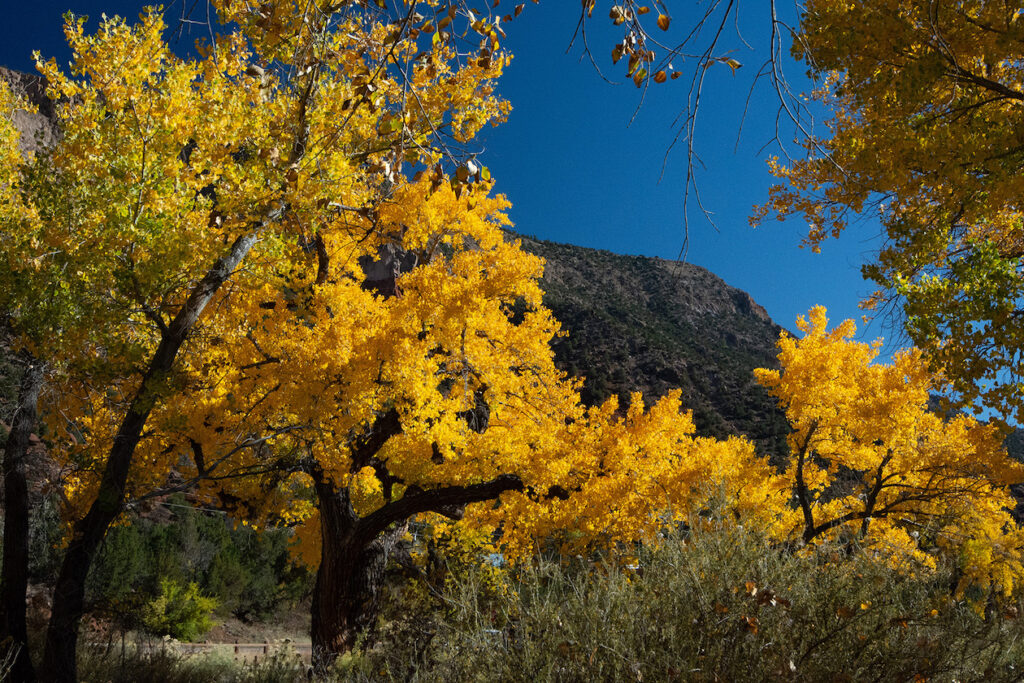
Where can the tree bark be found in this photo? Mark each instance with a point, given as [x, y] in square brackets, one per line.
[347, 592]
[69, 593]
[355, 551]
[14, 579]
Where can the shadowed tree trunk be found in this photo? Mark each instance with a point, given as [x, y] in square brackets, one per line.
[14, 580]
[346, 595]
[355, 551]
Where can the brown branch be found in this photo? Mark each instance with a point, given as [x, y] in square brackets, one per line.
[802, 494]
[364, 448]
[869, 504]
[433, 500]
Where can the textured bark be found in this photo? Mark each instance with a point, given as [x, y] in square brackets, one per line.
[355, 552]
[347, 592]
[14, 579]
[88, 533]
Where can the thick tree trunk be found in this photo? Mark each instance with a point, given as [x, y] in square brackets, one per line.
[14, 580]
[347, 593]
[355, 550]
[69, 593]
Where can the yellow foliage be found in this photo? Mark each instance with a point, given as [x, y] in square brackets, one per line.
[165, 161]
[924, 133]
[304, 383]
[872, 465]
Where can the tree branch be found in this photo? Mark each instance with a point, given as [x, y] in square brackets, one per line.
[433, 500]
[802, 494]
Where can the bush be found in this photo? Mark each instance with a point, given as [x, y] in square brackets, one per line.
[721, 605]
[717, 605]
[249, 572]
[179, 611]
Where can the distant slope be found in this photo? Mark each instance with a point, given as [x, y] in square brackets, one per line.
[644, 324]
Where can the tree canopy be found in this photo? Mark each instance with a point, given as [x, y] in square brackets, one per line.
[872, 464]
[924, 100]
[276, 272]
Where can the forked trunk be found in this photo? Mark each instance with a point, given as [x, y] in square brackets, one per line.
[347, 592]
[355, 550]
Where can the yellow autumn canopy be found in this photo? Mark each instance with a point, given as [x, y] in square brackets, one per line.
[871, 464]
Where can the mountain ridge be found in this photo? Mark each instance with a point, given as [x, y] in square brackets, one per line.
[638, 323]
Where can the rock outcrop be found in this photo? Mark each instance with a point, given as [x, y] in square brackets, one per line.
[38, 129]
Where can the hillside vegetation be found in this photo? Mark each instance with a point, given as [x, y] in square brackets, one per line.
[635, 323]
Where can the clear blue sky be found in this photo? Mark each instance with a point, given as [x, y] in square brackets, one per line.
[576, 171]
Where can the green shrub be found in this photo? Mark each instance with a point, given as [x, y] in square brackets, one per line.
[179, 611]
[722, 605]
[249, 572]
[719, 605]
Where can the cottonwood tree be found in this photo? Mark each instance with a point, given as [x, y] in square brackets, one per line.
[871, 465]
[178, 184]
[357, 402]
[925, 103]
[273, 265]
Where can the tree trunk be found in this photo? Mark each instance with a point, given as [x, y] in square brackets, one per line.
[14, 579]
[69, 593]
[355, 550]
[347, 594]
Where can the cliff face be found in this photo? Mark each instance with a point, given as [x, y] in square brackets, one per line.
[650, 325]
[37, 128]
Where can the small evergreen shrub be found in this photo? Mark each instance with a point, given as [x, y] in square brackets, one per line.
[249, 572]
[179, 611]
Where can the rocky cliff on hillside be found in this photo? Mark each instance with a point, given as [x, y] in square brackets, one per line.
[650, 325]
[37, 128]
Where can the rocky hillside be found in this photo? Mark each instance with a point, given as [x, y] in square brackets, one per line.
[650, 325]
[37, 128]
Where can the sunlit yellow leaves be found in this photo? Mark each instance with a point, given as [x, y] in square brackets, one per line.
[164, 161]
[924, 134]
[914, 482]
